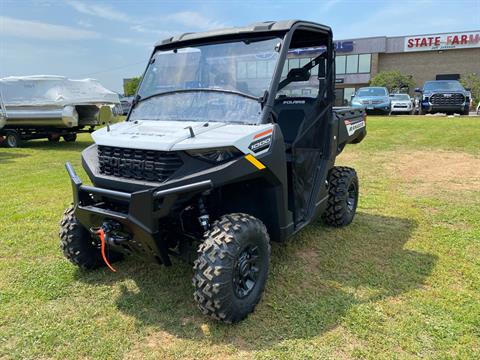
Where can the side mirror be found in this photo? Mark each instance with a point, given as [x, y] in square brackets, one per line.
[352, 96]
[418, 90]
[299, 74]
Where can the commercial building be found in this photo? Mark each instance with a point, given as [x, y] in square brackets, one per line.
[424, 57]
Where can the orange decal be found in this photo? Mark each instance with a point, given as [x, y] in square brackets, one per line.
[263, 133]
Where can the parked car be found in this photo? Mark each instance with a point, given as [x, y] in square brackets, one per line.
[373, 99]
[126, 103]
[444, 96]
[401, 103]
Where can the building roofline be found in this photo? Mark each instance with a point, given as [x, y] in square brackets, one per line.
[403, 36]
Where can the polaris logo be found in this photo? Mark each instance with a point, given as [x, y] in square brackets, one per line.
[261, 144]
[128, 164]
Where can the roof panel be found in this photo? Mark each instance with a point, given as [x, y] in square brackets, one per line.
[260, 27]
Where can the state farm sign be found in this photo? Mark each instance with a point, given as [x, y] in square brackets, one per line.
[459, 40]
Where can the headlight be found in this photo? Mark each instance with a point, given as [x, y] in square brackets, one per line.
[355, 102]
[215, 155]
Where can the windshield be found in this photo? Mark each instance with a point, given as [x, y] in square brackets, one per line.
[400, 97]
[442, 85]
[215, 82]
[371, 91]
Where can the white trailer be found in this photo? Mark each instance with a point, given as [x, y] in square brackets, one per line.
[46, 106]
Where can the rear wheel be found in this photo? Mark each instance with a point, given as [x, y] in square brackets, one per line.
[78, 246]
[232, 267]
[342, 196]
[13, 139]
[70, 137]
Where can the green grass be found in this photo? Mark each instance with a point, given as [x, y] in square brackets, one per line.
[402, 281]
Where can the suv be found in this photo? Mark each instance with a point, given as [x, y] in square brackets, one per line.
[221, 153]
[373, 99]
[401, 103]
[446, 96]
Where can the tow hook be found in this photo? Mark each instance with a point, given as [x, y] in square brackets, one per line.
[108, 234]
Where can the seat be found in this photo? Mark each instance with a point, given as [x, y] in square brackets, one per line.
[291, 113]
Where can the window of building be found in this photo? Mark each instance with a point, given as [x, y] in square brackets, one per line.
[340, 64]
[352, 64]
[251, 69]
[364, 63]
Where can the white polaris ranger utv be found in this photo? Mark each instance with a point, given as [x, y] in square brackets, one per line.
[230, 144]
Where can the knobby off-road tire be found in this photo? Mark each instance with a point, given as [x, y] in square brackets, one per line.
[342, 196]
[77, 244]
[232, 267]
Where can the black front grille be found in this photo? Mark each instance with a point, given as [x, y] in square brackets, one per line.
[147, 165]
[447, 99]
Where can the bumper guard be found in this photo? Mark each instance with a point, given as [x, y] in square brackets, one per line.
[141, 220]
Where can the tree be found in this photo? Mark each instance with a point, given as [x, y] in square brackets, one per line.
[394, 81]
[130, 86]
[472, 82]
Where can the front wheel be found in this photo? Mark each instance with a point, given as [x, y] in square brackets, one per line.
[342, 196]
[78, 246]
[232, 267]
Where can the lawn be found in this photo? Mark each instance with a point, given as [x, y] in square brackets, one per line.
[401, 281]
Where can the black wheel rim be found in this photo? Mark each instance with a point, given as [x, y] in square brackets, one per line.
[246, 272]
[351, 197]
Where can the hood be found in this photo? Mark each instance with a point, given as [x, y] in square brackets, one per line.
[401, 101]
[174, 135]
[439, 91]
[368, 98]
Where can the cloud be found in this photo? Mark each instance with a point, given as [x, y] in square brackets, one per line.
[194, 20]
[41, 30]
[147, 30]
[131, 41]
[84, 24]
[327, 5]
[177, 23]
[102, 11]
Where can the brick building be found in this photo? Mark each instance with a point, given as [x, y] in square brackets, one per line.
[424, 57]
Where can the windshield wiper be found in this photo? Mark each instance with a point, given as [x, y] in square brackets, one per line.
[224, 91]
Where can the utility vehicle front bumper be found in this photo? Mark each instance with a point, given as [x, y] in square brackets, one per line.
[138, 213]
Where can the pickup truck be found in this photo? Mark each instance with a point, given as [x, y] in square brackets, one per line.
[444, 96]
[230, 144]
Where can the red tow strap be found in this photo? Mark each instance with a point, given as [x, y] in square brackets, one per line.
[101, 234]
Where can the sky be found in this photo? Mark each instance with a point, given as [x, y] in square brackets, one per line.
[112, 40]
